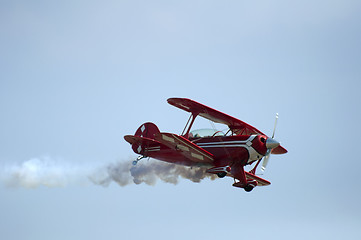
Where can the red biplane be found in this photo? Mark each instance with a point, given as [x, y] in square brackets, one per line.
[226, 154]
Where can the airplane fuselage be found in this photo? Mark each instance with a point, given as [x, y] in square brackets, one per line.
[226, 150]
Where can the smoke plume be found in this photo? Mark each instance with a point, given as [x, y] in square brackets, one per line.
[57, 173]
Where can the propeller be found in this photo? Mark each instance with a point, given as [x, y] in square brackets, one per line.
[274, 128]
[271, 143]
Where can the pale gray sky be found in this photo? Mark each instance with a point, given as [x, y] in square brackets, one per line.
[77, 76]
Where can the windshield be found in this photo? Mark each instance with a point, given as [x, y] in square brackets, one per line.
[205, 133]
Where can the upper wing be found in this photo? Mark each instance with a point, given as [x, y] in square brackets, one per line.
[238, 126]
[184, 147]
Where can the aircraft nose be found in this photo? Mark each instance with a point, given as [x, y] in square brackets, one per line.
[271, 143]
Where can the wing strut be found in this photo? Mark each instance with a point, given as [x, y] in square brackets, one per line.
[185, 127]
[193, 117]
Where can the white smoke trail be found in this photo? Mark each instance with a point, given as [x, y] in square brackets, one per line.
[50, 172]
[124, 173]
[43, 171]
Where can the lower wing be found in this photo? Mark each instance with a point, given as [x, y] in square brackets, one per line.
[185, 147]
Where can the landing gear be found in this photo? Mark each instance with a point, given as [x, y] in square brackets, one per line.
[248, 188]
[221, 174]
[138, 159]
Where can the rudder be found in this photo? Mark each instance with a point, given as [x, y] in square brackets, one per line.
[147, 130]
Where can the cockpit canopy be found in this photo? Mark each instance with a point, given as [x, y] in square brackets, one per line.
[205, 132]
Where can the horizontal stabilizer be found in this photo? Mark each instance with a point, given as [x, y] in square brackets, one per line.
[141, 145]
[137, 139]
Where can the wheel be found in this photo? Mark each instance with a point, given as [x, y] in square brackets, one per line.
[135, 162]
[221, 174]
[248, 188]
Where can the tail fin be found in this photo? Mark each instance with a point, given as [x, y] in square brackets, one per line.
[147, 130]
[143, 138]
